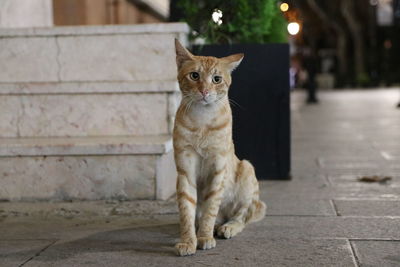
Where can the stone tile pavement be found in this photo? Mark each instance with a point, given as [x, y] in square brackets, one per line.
[324, 217]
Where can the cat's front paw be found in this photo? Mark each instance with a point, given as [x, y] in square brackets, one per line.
[206, 242]
[185, 249]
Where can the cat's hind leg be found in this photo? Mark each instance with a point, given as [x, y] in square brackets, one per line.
[249, 207]
[235, 225]
[248, 213]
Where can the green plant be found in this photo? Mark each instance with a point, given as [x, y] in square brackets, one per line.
[243, 21]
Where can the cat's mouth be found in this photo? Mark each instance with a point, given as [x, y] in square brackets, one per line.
[204, 101]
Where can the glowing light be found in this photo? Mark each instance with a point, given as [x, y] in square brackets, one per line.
[284, 7]
[217, 16]
[293, 28]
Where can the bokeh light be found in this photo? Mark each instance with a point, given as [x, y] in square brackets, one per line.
[284, 7]
[293, 28]
[217, 16]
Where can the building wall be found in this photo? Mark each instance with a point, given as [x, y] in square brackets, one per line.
[26, 13]
[100, 12]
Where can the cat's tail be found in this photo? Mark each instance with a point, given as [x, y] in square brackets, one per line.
[257, 211]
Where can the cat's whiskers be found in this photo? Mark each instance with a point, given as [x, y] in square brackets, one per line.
[234, 103]
[220, 101]
[189, 103]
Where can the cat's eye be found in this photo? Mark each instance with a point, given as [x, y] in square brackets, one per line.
[217, 79]
[194, 76]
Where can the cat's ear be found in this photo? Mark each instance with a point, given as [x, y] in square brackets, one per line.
[232, 61]
[182, 54]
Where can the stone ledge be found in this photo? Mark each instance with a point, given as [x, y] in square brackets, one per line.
[97, 30]
[81, 115]
[126, 145]
[60, 169]
[34, 88]
[85, 53]
[87, 209]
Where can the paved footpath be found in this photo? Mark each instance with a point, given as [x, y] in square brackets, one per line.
[323, 217]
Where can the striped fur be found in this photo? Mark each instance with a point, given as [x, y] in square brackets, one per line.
[216, 191]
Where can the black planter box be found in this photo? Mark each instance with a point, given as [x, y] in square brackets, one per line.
[261, 120]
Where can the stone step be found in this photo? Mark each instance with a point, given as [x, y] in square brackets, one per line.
[83, 168]
[90, 53]
[99, 109]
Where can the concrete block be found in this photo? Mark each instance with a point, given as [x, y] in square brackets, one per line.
[10, 112]
[84, 115]
[287, 205]
[77, 177]
[377, 253]
[87, 168]
[117, 57]
[101, 53]
[28, 59]
[366, 207]
[22, 13]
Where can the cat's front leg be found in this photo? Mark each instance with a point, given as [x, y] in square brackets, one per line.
[187, 162]
[211, 203]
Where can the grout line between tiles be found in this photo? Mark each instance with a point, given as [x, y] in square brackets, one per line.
[356, 260]
[38, 253]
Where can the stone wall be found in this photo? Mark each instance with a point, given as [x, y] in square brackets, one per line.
[26, 13]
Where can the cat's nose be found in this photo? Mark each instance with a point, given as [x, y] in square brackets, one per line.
[205, 93]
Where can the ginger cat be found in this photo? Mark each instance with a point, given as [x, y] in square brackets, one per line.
[215, 190]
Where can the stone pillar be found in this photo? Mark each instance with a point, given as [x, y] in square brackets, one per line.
[26, 13]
